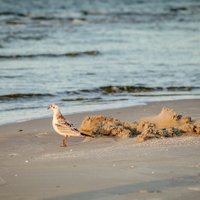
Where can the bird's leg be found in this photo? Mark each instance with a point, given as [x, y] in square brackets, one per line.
[64, 142]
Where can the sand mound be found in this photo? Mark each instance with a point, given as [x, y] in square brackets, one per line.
[166, 124]
[104, 126]
[167, 118]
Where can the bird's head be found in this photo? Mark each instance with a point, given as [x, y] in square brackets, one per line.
[53, 107]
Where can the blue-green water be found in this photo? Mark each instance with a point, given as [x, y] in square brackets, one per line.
[89, 55]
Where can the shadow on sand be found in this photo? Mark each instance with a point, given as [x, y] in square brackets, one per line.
[155, 186]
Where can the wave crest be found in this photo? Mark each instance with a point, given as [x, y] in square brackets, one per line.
[23, 95]
[69, 54]
[133, 89]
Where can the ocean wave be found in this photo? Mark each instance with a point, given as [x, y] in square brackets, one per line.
[134, 16]
[19, 36]
[165, 13]
[11, 76]
[94, 99]
[83, 99]
[128, 89]
[52, 55]
[133, 89]
[57, 18]
[10, 13]
[165, 95]
[23, 96]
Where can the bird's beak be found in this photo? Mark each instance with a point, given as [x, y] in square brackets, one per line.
[49, 107]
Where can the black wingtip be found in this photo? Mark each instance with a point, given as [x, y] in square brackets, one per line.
[87, 135]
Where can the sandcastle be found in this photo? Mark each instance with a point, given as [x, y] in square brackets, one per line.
[166, 124]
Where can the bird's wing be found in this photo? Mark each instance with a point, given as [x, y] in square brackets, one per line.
[65, 126]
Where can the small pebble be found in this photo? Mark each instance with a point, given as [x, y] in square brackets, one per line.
[71, 150]
[26, 161]
[153, 172]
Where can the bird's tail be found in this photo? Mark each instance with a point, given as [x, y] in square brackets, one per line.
[87, 135]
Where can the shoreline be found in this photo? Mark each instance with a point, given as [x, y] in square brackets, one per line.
[99, 111]
[33, 166]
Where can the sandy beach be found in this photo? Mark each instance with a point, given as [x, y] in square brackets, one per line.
[100, 62]
[33, 166]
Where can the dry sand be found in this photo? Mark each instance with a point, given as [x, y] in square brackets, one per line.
[33, 166]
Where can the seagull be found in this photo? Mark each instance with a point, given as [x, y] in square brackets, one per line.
[62, 126]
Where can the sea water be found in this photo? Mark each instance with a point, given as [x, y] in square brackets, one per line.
[92, 54]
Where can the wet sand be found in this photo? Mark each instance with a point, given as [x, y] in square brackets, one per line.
[33, 166]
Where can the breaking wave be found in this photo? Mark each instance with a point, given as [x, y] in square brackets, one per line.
[23, 95]
[95, 94]
[69, 54]
[134, 89]
[83, 99]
